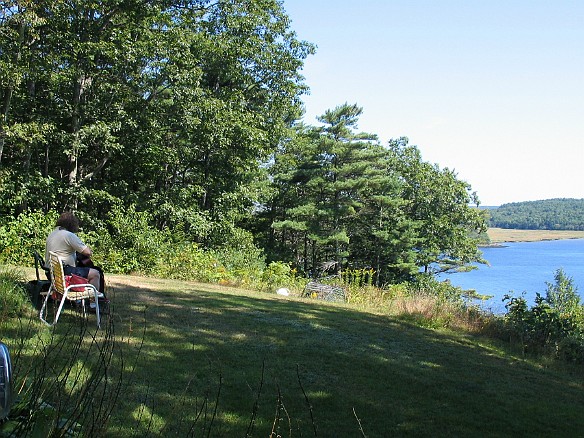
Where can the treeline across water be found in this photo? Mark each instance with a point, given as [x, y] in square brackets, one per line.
[550, 214]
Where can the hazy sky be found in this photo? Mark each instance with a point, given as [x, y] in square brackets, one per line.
[492, 89]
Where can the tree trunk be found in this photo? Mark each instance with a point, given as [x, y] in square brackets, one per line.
[5, 109]
[9, 91]
[31, 87]
[75, 126]
[305, 253]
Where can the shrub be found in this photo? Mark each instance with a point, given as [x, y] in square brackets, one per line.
[554, 325]
[127, 242]
[357, 278]
[443, 291]
[243, 260]
[563, 294]
[379, 298]
[186, 261]
[22, 235]
[279, 274]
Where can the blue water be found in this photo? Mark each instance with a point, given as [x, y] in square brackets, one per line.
[523, 267]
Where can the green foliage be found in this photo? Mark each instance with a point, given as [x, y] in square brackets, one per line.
[554, 325]
[169, 106]
[21, 236]
[549, 214]
[278, 274]
[444, 291]
[155, 122]
[127, 242]
[242, 259]
[189, 262]
[357, 277]
[447, 226]
[13, 294]
[375, 297]
[339, 196]
[562, 295]
[320, 175]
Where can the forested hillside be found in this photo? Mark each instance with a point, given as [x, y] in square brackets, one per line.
[176, 124]
[550, 214]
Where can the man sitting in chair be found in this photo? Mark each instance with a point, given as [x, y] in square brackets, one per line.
[65, 243]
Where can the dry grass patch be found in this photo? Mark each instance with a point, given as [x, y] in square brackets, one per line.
[501, 235]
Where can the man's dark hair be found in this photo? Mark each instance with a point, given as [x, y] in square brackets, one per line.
[68, 221]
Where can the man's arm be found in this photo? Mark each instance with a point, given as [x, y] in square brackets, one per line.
[79, 245]
[87, 251]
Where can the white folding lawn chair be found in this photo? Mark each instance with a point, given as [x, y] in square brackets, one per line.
[61, 292]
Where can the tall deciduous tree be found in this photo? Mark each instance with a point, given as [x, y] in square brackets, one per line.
[170, 105]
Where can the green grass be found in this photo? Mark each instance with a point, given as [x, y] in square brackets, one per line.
[197, 356]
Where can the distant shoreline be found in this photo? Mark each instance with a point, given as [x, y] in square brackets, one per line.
[500, 236]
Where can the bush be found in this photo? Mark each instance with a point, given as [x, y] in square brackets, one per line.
[21, 236]
[443, 291]
[554, 326]
[279, 274]
[563, 294]
[380, 298]
[357, 278]
[127, 242]
[186, 261]
[243, 261]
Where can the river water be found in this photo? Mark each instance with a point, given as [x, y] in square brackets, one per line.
[523, 267]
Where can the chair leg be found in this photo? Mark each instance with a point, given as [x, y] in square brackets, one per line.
[61, 304]
[83, 308]
[97, 315]
[43, 309]
[43, 314]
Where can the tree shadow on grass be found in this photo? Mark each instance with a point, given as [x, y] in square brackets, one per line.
[354, 368]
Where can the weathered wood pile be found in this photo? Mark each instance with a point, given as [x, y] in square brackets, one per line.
[326, 292]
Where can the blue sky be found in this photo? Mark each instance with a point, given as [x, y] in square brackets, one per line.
[492, 89]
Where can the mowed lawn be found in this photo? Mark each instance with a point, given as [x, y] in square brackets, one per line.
[207, 360]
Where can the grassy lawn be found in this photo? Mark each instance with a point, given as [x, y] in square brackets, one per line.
[203, 360]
